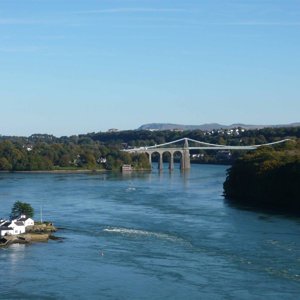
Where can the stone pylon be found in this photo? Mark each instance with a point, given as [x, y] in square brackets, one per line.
[171, 164]
[160, 163]
[185, 159]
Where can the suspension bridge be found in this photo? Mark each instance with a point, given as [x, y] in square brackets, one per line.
[182, 147]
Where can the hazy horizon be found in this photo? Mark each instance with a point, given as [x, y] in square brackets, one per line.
[128, 129]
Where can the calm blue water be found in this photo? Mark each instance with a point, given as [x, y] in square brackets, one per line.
[147, 236]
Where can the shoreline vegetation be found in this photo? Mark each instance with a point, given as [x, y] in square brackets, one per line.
[94, 152]
[71, 171]
[266, 179]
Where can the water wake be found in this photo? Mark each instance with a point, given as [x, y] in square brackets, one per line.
[142, 233]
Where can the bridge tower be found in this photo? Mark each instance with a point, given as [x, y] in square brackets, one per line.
[160, 162]
[171, 163]
[185, 159]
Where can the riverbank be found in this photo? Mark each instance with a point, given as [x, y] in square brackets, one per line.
[71, 171]
[265, 179]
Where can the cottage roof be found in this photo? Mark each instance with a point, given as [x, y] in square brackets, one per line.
[23, 218]
[6, 224]
[19, 223]
[5, 228]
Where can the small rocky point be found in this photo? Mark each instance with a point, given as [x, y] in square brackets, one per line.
[40, 232]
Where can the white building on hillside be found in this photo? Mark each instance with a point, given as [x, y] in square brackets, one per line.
[27, 221]
[16, 226]
[4, 229]
[12, 228]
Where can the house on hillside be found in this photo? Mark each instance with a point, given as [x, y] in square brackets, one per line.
[16, 226]
[27, 221]
[12, 228]
[4, 229]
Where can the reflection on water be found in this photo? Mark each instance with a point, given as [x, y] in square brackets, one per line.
[157, 235]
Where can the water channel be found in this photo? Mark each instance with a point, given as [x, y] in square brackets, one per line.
[147, 236]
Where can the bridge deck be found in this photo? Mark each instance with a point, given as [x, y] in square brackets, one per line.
[207, 146]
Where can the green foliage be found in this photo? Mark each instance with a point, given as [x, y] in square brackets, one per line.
[5, 164]
[21, 208]
[266, 178]
[46, 152]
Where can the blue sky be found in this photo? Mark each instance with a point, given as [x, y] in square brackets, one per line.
[78, 66]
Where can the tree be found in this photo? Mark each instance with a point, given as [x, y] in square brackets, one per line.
[5, 164]
[21, 208]
[265, 178]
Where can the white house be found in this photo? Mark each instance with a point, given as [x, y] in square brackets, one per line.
[4, 229]
[16, 226]
[12, 228]
[27, 221]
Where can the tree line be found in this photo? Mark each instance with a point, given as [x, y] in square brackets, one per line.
[102, 150]
[15, 156]
[267, 178]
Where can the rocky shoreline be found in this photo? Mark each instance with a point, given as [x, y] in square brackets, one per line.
[40, 232]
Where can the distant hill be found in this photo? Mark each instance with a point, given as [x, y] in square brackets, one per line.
[209, 126]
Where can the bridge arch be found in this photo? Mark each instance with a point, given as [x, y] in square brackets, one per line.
[161, 153]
